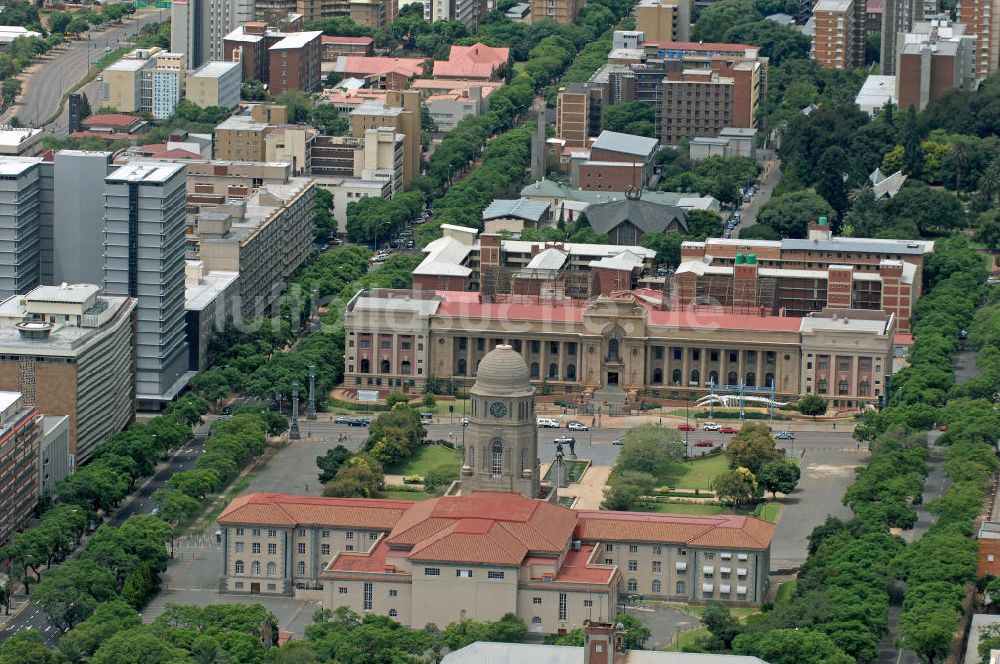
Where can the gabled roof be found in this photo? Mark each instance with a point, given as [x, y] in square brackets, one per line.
[110, 120]
[476, 61]
[280, 509]
[646, 216]
[626, 143]
[721, 530]
[521, 208]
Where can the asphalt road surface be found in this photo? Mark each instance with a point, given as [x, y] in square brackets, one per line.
[59, 71]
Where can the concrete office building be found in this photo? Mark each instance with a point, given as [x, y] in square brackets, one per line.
[465, 11]
[210, 298]
[898, 17]
[20, 267]
[291, 144]
[215, 84]
[20, 142]
[664, 20]
[982, 21]
[146, 81]
[144, 258]
[20, 437]
[348, 189]
[198, 27]
[496, 543]
[401, 112]
[839, 38]
[68, 350]
[53, 453]
[937, 56]
[241, 138]
[573, 115]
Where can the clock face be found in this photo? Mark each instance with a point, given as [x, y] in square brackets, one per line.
[498, 409]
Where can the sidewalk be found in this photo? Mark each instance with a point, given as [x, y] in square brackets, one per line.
[589, 491]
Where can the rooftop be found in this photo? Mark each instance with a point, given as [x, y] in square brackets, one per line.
[626, 143]
[13, 136]
[146, 171]
[111, 120]
[66, 293]
[487, 652]
[199, 295]
[837, 6]
[214, 69]
[521, 208]
[377, 65]
[294, 40]
[336, 39]
[476, 61]
[127, 64]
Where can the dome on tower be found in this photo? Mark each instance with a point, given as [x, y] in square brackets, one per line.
[503, 372]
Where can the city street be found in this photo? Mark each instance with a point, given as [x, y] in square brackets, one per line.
[771, 177]
[55, 73]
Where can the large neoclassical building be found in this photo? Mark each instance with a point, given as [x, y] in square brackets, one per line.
[497, 542]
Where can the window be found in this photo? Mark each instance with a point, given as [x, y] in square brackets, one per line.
[393, 593]
[463, 573]
[657, 550]
[393, 613]
[373, 536]
[657, 586]
[255, 568]
[255, 547]
[725, 555]
[657, 567]
[272, 569]
[609, 561]
[239, 585]
[741, 572]
[681, 588]
[302, 532]
[432, 571]
[342, 590]
[562, 606]
[324, 549]
[496, 469]
[272, 586]
[494, 575]
[238, 568]
[350, 534]
[324, 533]
[369, 592]
[301, 568]
[272, 533]
[272, 549]
[349, 547]
[239, 532]
[238, 547]
[633, 586]
[682, 552]
[633, 565]
[536, 600]
[255, 532]
[633, 548]
[609, 547]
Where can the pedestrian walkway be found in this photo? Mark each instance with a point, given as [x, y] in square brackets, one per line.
[589, 491]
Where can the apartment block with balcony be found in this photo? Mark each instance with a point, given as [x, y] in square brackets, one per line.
[839, 39]
[20, 438]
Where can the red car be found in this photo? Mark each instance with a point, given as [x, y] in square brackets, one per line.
[704, 443]
[685, 427]
[728, 429]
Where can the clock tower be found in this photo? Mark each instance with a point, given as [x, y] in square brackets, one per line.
[501, 449]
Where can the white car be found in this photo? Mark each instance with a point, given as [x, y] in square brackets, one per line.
[711, 426]
[548, 423]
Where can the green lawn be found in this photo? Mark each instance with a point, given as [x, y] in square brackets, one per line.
[687, 638]
[405, 495]
[425, 458]
[768, 511]
[785, 591]
[698, 473]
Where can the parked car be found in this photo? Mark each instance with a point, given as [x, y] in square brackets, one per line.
[785, 435]
[343, 419]
[729, 429]
[336, 241]
[410, 244]
[547, 423]
[465, 421]
[704, 443]
[380, 256]
[573, 425]
[711, 426]
[367, 420]
[565, 440]
[356, 423]
[426, 417]
[618, 441]
[226, 411]
[685, 427]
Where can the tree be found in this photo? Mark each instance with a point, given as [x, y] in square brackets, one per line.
[719, 18]
[776, 41]
[650, 449]
[833, 167]
[69, 593]
[752, 447]
[928, 632]
[631, 117]
[911, 137]
[782, 475]
[440, 477]
[109, 618]
[331, 462]
[636, 634]
[328, 120]
[722, 627]
[812, 404]
[864, 219]
[988, 229]
[136, 646]
[791, 646]
[666, 245]
[253, 90]
[789, 215]
[932, 210]
[759, 232]
[737, 487]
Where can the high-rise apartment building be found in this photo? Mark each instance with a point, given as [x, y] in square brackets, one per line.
[401, 113]
[146, 81]
[839, 40]
[465, 11]
[664, 20]
[696, 102]
[294, 62]
[982, 21]
[20, 266]
[215, 84]
[573, 115]
[20, 436]
[144, 225]
[68, 350]
[932, 59]
[197, 27]
[898, 16]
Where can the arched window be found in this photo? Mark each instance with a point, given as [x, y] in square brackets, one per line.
[657, 586]
[302, 568]
[633, 586]
[821, 386]
[864, 388]
[366, 366]
[695, 376]
[460, 367]
[536, 621]
[496, 468]
[404, 368]
[713, 377]
[657, 376]
[385, 366]
[681, 588]
[843, 388]
[768, 380]
[255, 568]
[675, 377]
[240, 569]
[554, 371]
[272, 569]
[393, 613]
[613, 355]
[731, 378]
[534, 369]
[570, 372]
[752, 379]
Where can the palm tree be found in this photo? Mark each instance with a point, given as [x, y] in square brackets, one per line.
[989, 182]
[959, 154]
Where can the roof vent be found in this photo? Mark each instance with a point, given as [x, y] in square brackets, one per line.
[740, 259]
[34, 330]
[822, 221]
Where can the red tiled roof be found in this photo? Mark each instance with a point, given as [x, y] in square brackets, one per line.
[373, 562]
[331, 39]
[178, 153]
[108, 136]
[110, 119]
[721, 530]
[902, 339]
[472, 540]
[279, 509]
[476, 61]
[576, 570]
[874, 7]
[375, 65]
[700, 318]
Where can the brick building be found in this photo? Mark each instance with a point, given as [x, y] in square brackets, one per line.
[937, 56]
[573, 115]
[982, 21]
[334, 46]
[839, 39]
[294, 63]
[20, 438]
[617, 162]
[695, 103]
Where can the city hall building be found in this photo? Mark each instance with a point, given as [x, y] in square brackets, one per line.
[497, 542]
